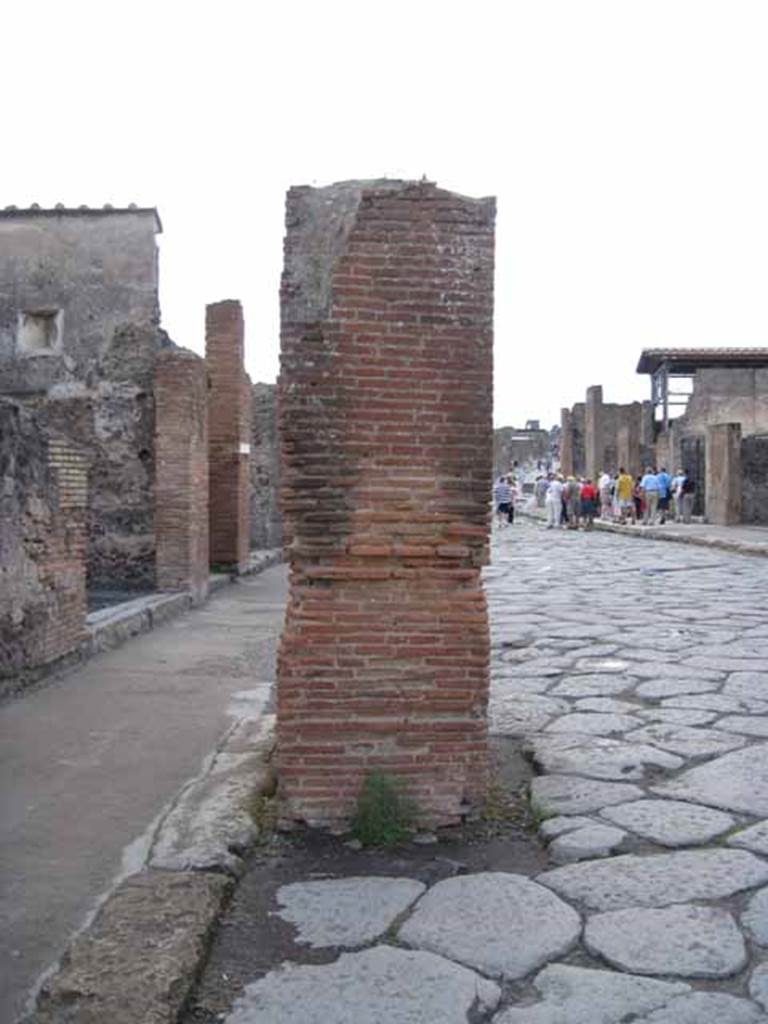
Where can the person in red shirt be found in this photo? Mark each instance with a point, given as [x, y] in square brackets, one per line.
[588, 503]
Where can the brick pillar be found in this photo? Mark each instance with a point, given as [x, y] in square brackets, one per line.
[181, 478]
[566, 442]
[724, 478]
[593, 429]
[386, 434]
[228, 433]
[65, 563]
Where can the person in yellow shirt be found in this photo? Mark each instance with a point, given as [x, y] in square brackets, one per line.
[624, 485]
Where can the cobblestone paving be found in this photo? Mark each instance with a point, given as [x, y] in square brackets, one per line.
[636, 674]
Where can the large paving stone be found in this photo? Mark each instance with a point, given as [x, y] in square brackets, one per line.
[718, 702]
[565, 794]
[607, 706]
[747, 685]
[593, 723]
[597, 685]
[382, 985]
[754, 838]
[687, 741]
[502, 924]
[598, 757]
[665, 670]
[747, 725]
[758, 985]
[579, 995]
[601, 665]
[687, 941]
[593, 840]
[670, 822]
[513, 715]
[736, 782]
[677, 716]
[345, 912]
[136, 963]
[706, 1008]
[657, 880]
[563, 823]
[755, 917]
[666, 686]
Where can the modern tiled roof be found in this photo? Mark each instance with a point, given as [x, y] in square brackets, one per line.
[60, 210]
[685, 360]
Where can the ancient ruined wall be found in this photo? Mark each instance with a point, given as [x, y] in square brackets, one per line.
[723, 472]
[78, 340]
[727, 395]
[512, 445]
[42, 534]
[229, 434]
[181, 491]
[754, 484]
[266, 521]
[387, 447]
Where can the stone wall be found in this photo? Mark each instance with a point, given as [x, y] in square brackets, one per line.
[42, 543]
[79, 337]
[727, 395]
[754, 467]
[266, 521]
[386, 377]
[181, 490]
[512, 445]
[723, 471]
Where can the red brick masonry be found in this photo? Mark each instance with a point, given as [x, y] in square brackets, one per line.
[385, 408]
[181, 486]
[229, 410]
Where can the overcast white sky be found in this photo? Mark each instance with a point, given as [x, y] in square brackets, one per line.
[626, 142]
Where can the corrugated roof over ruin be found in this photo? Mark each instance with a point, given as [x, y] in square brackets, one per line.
[60, 210]
[689, 360]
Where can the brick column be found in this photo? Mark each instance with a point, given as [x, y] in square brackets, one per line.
[593, 429]
[386, 433]
[566, 442]
[724, 477]
[228, 433]
[181, 481]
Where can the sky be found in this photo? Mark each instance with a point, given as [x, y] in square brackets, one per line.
[625, 142]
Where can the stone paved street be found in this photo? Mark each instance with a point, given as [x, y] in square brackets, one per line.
[635, 676]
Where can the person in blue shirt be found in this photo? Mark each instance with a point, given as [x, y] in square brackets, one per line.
[650, 488]
[665, 482]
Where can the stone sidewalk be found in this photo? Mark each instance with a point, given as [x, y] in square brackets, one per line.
[104, 767]
[635, 676]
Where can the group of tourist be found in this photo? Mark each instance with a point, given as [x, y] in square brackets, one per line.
[650, 498]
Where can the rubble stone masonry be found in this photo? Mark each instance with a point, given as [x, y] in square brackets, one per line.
[42, 543]
[228, 434]
[181, 489]
[386, 431]
[266, 525]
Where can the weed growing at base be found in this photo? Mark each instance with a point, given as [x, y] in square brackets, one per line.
[384, 815]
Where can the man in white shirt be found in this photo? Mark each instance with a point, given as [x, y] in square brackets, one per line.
[554, 502]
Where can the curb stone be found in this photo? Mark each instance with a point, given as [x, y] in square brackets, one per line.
[658, 533]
